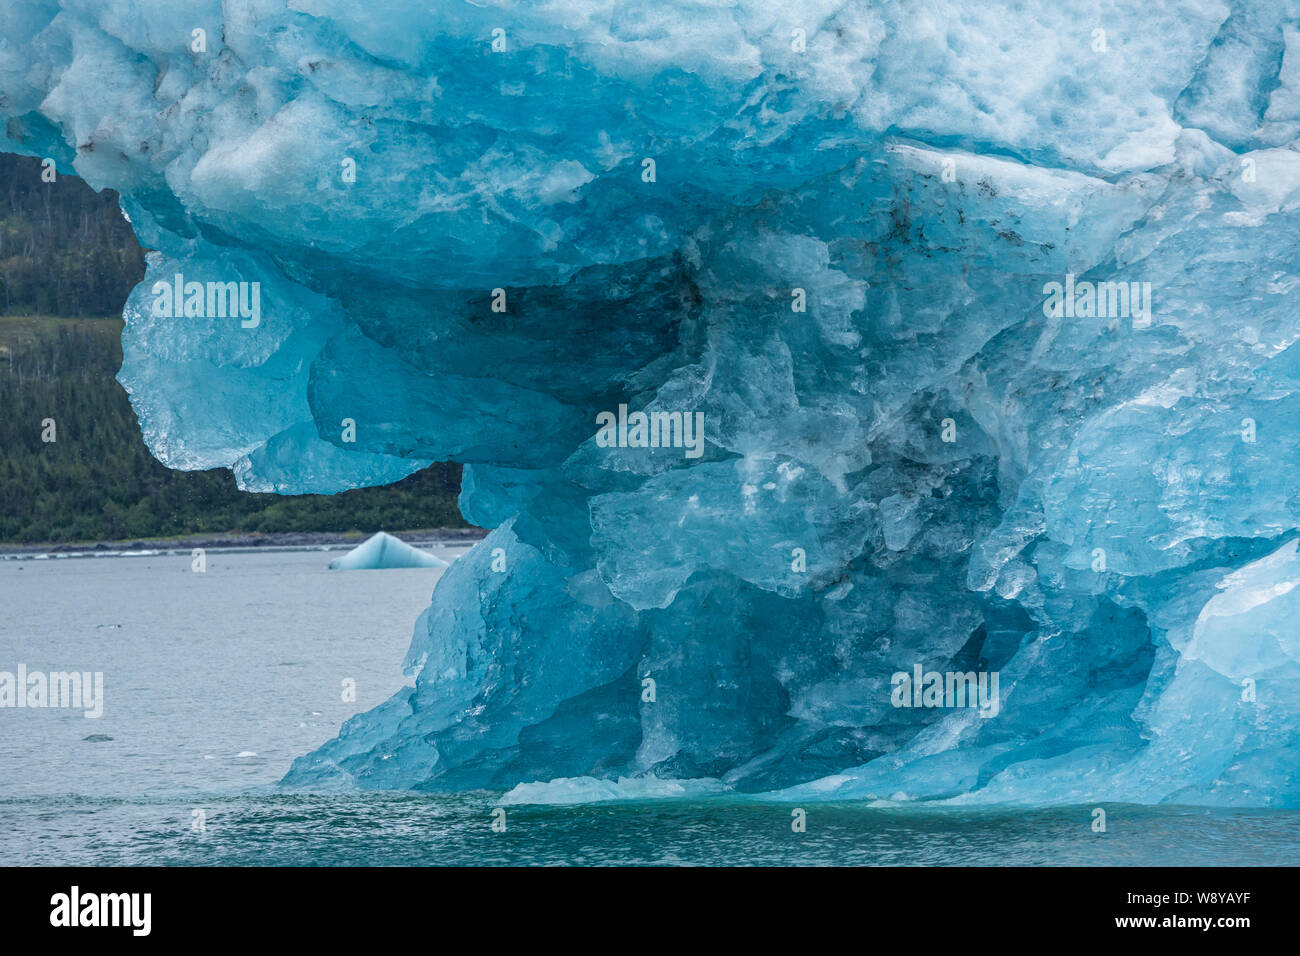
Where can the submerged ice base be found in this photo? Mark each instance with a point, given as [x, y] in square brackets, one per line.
[840, 233]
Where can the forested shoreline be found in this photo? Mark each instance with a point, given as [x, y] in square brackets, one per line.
[68, 259]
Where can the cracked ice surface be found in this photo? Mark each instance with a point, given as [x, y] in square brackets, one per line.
[1100, 531]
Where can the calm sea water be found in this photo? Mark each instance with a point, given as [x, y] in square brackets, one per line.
[215, 682]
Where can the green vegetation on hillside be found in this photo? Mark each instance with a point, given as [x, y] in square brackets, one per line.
[64, 249]
[97, 481]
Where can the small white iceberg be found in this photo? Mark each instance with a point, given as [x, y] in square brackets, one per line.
[382, 550]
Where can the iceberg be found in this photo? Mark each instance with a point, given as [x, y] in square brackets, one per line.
[988, 312]
[382, 550]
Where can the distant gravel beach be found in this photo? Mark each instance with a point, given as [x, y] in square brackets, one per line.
[281, 539]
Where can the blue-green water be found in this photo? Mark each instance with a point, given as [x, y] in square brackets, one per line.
[214, 682]
[418, 829]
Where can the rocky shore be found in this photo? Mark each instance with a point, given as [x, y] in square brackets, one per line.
[279, 539]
